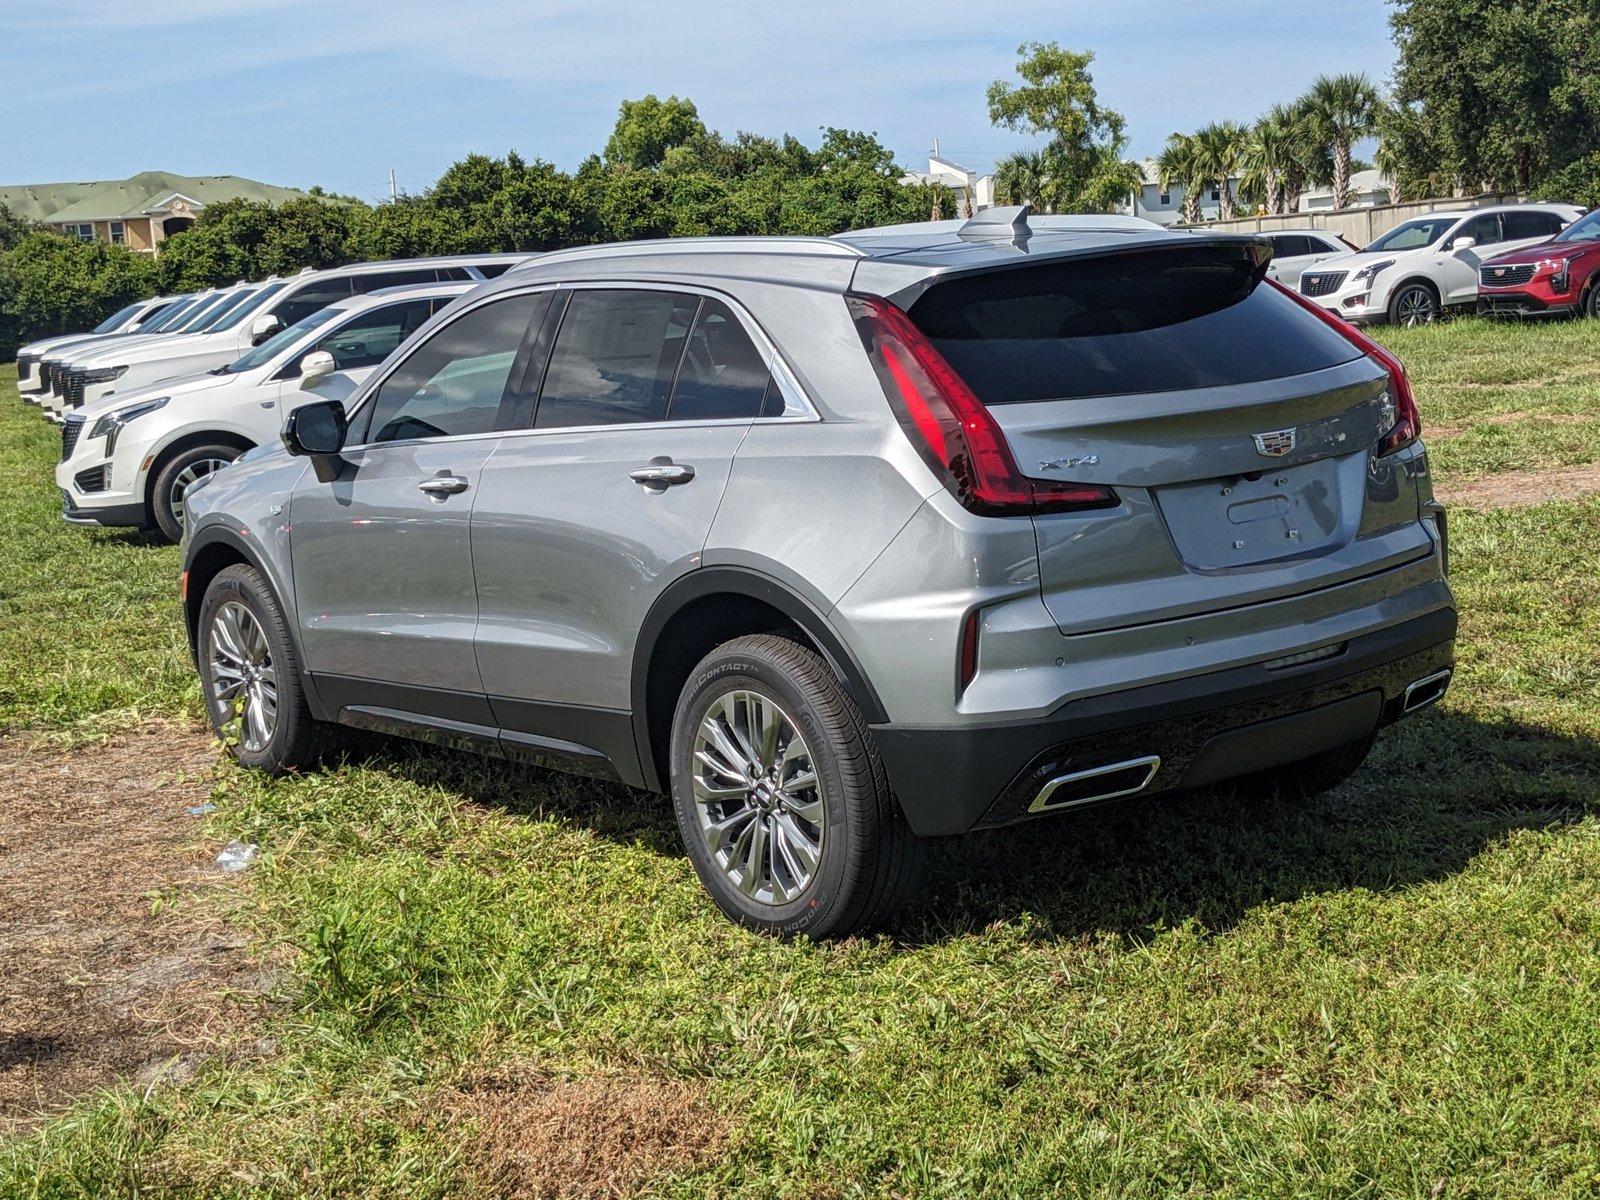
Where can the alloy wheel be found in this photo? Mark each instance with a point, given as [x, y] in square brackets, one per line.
[1416, 306]
[244, 681]
[758, 796]
[196, 470]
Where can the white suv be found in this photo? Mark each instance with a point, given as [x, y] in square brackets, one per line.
[250, 318]
[125, 320]
[1428, 264]
[127, 460]
[1295, 251]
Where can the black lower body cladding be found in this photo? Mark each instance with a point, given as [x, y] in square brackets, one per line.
[1203, 729]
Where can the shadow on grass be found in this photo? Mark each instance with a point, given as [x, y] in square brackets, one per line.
[1437, 790]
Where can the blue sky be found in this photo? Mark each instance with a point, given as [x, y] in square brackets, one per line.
[337, 92]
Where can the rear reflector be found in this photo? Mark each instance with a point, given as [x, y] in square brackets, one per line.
[969, 648]
[1407, 425]
[950, 426]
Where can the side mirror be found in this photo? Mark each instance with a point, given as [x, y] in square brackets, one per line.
[315, 367]
[1463, 243]
[264, 327]
[317, 431]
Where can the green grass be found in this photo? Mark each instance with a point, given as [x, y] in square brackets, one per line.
[1392, 991]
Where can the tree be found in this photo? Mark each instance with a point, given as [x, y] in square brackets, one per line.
[1342, 109]
[14, 228]
[51, 284]
[1220, 148]
[648, 128]
[1500, 90]
[1277, 158]
[1056, 100]
[1181, 165]
[1021, 178]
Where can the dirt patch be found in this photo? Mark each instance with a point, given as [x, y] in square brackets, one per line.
[100, 982]
[526, 1136]
[1443, 433]
[1522, 489]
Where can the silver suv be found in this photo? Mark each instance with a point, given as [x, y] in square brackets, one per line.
[847, 543]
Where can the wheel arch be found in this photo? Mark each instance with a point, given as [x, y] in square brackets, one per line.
[703, 609]
[164, 453]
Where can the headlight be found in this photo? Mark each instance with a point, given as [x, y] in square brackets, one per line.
[1370, 272]
[110, 425]
[103, 374]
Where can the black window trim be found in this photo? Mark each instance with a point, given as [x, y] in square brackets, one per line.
[358, 410]
[794, 396]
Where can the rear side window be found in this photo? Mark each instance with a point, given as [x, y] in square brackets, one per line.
[615, 358]
[490, 270]
[453, 384]
[1147, 321]
[723, 375]
[1530, 225]
[1291, 245]
[311, 297]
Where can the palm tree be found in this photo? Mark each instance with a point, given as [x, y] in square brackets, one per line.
[1221, 148]
[1343, 109]
[1022, 178]
[1274, 156]
[1179, 165]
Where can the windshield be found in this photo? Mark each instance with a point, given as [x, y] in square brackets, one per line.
[257, 299]
[201, 312]
[173, 316]
[1584, 229]
[1413, 235]
[117, 318]
[281, 341]
[213, 320]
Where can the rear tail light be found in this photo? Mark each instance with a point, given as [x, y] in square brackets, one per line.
[1407, 421]
[949, 425]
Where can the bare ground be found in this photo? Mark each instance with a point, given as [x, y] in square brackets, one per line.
[100, 981]
[1520, 489]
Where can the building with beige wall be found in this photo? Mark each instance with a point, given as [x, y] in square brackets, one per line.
[139, 212]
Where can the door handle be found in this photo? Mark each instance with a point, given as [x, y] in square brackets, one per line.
[441, 486]
[661, 473]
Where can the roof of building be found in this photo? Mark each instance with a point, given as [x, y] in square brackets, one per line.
[1362, 182]
[116, 199]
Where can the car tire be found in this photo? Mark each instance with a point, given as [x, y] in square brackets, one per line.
[1414, 303]
[182, 469]
[1591, 301]
[828, 858]
[250, 675]
[1308, 777]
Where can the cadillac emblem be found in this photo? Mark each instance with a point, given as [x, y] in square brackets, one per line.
[1275, 444]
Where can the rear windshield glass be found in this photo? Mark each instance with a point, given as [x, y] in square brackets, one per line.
[1150, 321]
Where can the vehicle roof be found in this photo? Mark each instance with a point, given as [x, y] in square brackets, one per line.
[891, 257]
[407, 291]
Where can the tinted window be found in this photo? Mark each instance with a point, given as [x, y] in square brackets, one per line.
[1144, 322]
[173, 316]
[217, 316]
[1485, 230]
[1289, 245]
[312, 296]
[1530, 225]
[723, 374]
[388, 279]
[454, 382]
[493, 270]
[615, 358]
[371, 337]
[455, 274]
[202, 312]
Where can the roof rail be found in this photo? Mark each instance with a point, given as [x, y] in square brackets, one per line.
[700, 245]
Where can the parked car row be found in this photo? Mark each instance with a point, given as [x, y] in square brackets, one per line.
[1451, 260]
[147, 407]
[845, 543]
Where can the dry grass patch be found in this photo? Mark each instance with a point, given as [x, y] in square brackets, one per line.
[101, 981]
[527, 1136]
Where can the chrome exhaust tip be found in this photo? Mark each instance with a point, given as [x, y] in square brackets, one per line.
[1422, 692]
[1096, 784]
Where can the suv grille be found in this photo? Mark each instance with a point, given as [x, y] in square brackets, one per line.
[74, 388]
[1506, 276]
[58, 378]
[1321, 283]
[71, 429]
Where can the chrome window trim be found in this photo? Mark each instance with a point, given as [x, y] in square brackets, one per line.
[793, 394]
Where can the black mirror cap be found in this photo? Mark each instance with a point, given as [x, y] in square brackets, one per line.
[317, 428]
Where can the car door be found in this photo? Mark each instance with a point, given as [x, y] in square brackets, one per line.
[1458, 265]
[382, 553]
[1291, 255]
[607, 497]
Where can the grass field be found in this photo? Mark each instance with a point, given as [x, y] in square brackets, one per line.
[491, 979]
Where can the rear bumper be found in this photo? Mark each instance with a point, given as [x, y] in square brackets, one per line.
[1202, 729]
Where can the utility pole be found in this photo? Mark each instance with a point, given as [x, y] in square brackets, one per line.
[393, 195]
